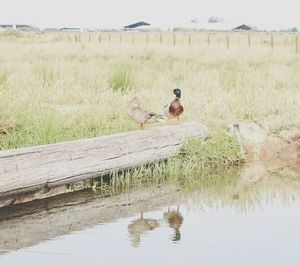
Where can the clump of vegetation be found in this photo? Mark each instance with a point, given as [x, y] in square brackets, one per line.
[121, 80]
[219, 149]
[164, 173]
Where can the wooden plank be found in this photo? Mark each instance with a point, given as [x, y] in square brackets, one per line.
[32, 169]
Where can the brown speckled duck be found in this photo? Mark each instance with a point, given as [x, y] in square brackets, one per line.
[140, 115]
[139, 227]
[174, 109]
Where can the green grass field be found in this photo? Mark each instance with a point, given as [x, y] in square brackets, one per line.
[57, 89]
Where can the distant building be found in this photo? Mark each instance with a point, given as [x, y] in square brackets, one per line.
[137, 25]
[195, 20]
[245, 27]
[215, 20]
[6, 26]
[18, 27]
[51, 29]
[70, 29]
[26, 28]
[294, 29]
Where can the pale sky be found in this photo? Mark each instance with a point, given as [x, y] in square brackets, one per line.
[270, 14]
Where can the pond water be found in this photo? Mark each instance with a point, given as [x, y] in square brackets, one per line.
[229, 220]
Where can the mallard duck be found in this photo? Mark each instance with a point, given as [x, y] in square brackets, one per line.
[140, 115]
[174, 109]
[175, 220]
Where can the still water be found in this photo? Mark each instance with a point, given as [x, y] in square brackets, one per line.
[227, 221]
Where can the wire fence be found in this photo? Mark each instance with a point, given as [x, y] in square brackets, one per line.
[227, 40]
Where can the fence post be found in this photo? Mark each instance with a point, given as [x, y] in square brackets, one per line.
[160, 39]
[227, 41]
[272, 41]
[249, 40]
[174, 39]
[190, 40]
[286, 42]
[99, 38]
[109, 38]
[297, 44]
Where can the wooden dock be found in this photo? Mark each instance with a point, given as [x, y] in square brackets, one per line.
[43, 171]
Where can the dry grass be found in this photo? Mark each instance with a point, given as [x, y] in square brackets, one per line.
[57, 89]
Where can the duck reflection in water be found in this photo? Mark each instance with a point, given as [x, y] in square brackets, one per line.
[139, 227]
[175, 220]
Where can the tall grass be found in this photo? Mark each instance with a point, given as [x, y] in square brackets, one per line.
[59, 90]
[121, 80]
[194, 166]
[216, 187]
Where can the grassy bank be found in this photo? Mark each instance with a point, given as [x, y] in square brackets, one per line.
[216, 187]
[56, 90]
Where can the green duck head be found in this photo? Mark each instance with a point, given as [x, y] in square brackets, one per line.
[177, 93]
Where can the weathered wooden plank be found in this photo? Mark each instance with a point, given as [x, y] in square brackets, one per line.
[28, 170]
